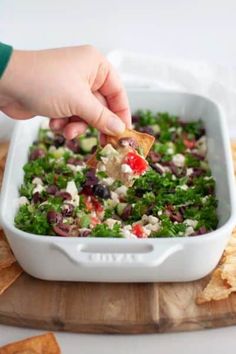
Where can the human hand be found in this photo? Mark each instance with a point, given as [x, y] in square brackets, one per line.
[74, 86]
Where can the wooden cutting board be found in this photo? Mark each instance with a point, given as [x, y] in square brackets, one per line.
[112, 308]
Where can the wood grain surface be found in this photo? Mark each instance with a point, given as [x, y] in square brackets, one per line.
[112, 308]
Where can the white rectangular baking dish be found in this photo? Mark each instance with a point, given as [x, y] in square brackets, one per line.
[127, 260]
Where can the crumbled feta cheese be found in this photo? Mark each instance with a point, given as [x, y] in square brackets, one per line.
[37, 181]
[174, 177]
[191, 222]
[80, 168]
[39, 188]
[72, 189]
[172, 129]
[184, 187]
[179, 160]
[75, 201]
[160, 212]
[127, 227]
[50, 134]
[162, 168]
[114, 197]
[126, 168]
[148, 219]
[77, 168]
[44, 203]
[151, 223]
[202, 145]
[153, 219]
[179, 130]
[204, 199]
[189, 171]
[170, 151]
[108, 181]
[111, 222]
[104, 160]
[208, 178]
[189, 231]
[127, 234]
[45, 124]
[108, 150]
[121, 190]
[144, 219]
[23, 201]
[101, 167]
[167, 169]
[152, 227]
[147, 231]
[52, 149]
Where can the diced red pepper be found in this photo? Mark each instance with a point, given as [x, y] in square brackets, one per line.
[92, 204]
[190, 144]
[137, 229]
[88, 203]
[97, 205]
[136, 163]
[94, 221]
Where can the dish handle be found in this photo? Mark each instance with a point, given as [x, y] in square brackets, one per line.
[145, 254]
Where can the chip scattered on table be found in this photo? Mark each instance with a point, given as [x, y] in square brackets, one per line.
[223, 279]
[6, 255]
[43, 344]
[8, 275]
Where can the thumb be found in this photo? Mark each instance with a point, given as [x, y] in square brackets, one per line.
[99, 116]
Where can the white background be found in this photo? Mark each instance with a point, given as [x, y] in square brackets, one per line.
[198, 30]
[202, 30]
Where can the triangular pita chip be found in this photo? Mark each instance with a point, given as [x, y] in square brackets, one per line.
[42, 344]
[6, 256]
[223, 279]
[144, 143]
[8, 276]
[143, 140]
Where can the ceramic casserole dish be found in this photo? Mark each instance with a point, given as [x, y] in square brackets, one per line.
[127, 260]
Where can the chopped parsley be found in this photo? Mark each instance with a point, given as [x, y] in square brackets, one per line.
[176, 190]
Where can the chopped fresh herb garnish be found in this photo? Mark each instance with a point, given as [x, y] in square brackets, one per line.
[102, 230]
[174, 197]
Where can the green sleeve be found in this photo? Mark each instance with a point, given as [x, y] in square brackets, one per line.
[5, 55]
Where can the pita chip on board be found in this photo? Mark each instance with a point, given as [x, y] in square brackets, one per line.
[43, 344]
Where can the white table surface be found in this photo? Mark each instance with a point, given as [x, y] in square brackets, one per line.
[202, 30]
[215, 341]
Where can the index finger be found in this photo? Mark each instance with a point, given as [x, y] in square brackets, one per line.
[114, 92]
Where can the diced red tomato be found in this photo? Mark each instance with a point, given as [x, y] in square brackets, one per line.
[92, 204]
[137, 229]
[190, 144]
[136, 163]
[97, 205]
[88, 203]
[94, 221]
